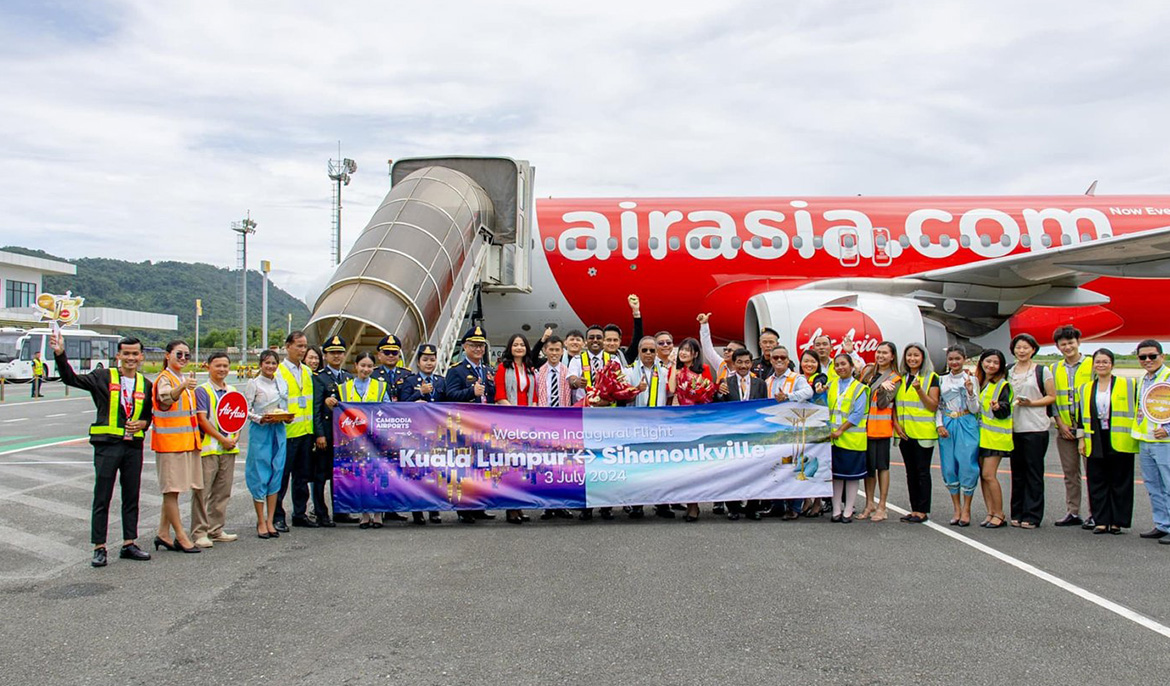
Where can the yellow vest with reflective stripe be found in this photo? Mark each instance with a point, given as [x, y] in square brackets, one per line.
[586, 369]
[994, 434]
[1120, 416]
[374, 392]
[854, 437]
[1066, 395]
[210, 445]
[38, 368]
[300, 401]
[1142, 430]
[917, 421]
[111, 427]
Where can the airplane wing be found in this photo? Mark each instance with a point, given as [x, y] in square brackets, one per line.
[974, 299]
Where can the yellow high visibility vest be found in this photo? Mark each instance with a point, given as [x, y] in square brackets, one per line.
[1120, 417]
[994, 434]
[917, 421]
[1066, 394]
[375, 392]
[300, 401]
[112, 427]
[854, 437]
[586, 370]
[210, 445]
[1142, 430]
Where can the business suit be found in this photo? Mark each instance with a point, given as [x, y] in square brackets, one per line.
[757, 390]
[114, 458]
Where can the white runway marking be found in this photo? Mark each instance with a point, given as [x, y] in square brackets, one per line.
[1113, 607]
[19, 419]
[43, 445]
[42, 402]
[59, 414]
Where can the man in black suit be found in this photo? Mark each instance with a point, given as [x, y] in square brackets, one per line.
[471, 381]
[116, 435]
[742, 385]
[325, 385]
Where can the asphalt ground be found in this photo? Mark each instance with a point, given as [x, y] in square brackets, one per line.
[563, 602]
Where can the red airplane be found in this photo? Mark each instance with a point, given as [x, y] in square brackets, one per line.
[935, 270]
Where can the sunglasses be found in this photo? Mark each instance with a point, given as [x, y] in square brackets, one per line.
[663, 344]
[181, 355]
[647, 350]
[593, 338]
[779, 357]
[1146, 358]
[389, 353]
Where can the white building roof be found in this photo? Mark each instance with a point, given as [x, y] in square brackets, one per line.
[38, 263]
[114, 318]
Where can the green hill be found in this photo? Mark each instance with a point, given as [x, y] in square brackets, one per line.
[171, 288]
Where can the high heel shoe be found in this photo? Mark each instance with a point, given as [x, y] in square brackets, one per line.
[180, 549]
[159, 543]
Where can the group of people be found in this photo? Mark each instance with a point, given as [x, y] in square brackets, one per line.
[975, 418]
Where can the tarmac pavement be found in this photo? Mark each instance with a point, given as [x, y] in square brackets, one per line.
[562, 602]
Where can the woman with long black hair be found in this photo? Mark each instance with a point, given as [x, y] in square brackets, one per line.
[516, 385]
[691, 384]
[1107, 414]
[1034, 390]
[995, 431]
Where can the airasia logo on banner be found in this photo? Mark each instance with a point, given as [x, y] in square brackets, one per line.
[839, 324]
[231, 412]
[352, 422]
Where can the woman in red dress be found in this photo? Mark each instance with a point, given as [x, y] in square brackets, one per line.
[516, 385]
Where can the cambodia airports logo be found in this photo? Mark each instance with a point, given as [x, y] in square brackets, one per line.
[353, 422]
[839, 324]
[385, 420]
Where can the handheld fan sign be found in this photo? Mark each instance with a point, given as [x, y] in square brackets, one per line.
[1156, 404]
[59, 309]
[231, 412]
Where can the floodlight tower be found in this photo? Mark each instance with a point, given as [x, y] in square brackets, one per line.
[244, 229]
[339, 173]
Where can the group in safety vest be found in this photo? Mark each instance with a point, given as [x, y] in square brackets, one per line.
[1141, 426]
[1066, 393]
[995, 434]
[916, 421]
[176, 430]
[1120, 419]
[840, 405]
[111, 427]
[300, 400]
[210, 445]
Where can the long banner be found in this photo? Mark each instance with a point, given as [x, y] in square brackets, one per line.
[445, 456]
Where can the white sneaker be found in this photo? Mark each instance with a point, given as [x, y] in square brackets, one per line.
[224, 537]
[203, 542]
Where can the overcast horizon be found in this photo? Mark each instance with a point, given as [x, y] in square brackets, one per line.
[159, 124]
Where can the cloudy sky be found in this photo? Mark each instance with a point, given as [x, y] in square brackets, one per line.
[143, 129]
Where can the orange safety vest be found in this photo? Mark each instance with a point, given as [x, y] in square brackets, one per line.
[880, 423]
[174, 430]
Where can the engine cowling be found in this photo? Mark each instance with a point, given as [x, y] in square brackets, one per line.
[802, 315]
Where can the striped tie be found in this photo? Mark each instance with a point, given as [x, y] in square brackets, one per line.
[554, 390]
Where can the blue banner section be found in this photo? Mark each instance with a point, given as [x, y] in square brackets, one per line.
[445, 456]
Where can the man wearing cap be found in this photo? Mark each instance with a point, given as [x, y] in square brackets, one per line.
[325, 384]
[471, 381]
[425, 386]
[392, 370]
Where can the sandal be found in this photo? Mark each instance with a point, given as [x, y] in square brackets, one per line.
[1115, 530]
[1001, 524]
[1102, 529]
[878, 516]
[864, 514]
[1028, 525]
[1016, 523]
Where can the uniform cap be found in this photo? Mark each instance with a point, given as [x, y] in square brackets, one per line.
[390, 342]
[475, 334]
[427, 349]
[334, 344]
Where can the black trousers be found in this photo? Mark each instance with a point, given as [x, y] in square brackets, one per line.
[321, 464]
[298, 466]
[1110, 487]
[119, 461]
[917, 458]
[1028, 476]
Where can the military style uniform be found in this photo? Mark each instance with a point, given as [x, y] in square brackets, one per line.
[460, 383]
[325, 384]
[395, 377]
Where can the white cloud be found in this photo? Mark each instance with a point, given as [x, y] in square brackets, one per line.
[142, 129]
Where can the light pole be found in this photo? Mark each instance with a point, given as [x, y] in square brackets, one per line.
[265, 267]
[244, 229]
[289, 324]
[339, 173]
[198, 314]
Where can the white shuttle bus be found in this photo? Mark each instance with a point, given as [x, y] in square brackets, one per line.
[86, 350]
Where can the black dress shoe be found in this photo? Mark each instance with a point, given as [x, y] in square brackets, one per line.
[846, 520]
[733, 516]
[514, 520]
[1153, 533]
[418, 520]
[546, 515]
[1070, 519]
[836, 519]
[393, 517]
[280, 526]
[525, 518]
[99, 557]
[364, 525]
[303, 522]
[1088, 523]
[607, 513]
[344, 518]
[755, 516]
[133, 552]
[326, 523]
[637, 512]
[718, 509]
[678, 506]
[434, 518]
[586, 515]
[482, 514]
[664, 512]
[466, 518]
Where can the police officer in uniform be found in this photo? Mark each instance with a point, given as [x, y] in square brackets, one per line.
[391, 370]
[325, 384]
[471, 381]
[425, 386]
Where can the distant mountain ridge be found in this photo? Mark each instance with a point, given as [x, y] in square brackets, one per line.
[171, 288]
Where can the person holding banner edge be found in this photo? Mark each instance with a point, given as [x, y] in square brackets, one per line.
[116, 436]
[424, 386]
[469, 381]
[362, 389]
[1151, 432]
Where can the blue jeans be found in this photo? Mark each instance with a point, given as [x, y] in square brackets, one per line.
[1155, 461]
[958, 454]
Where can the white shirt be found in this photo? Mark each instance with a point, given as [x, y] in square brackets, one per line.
[800, 392]
[1029, 419]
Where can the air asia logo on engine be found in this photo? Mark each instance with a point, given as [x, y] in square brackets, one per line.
[352, 422]
[840, 324]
